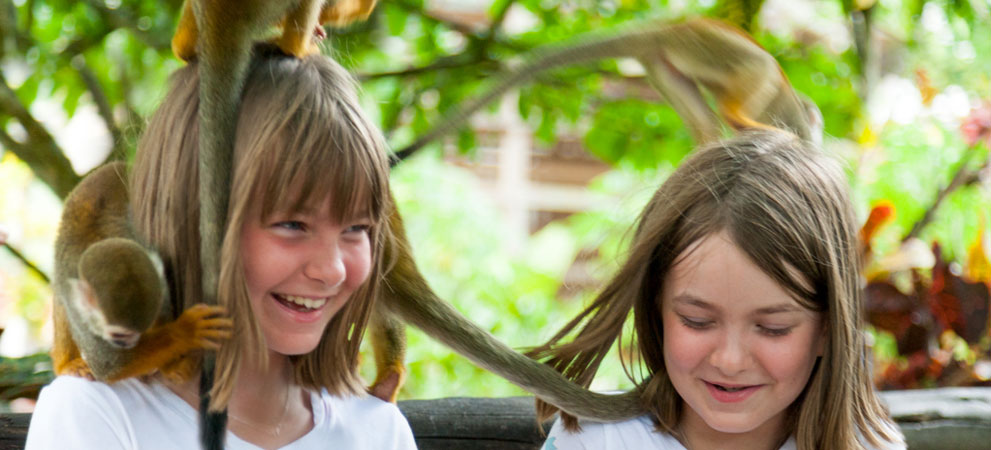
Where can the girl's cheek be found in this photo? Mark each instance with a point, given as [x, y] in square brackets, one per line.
[360, 265]
[681, 347]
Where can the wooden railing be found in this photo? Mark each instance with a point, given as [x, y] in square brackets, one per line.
[931, 419]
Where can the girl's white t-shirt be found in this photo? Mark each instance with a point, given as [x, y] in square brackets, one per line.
[637, 433]
[74, 412]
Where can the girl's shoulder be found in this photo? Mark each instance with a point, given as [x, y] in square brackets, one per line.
[124, 414]
[636, 433]
[358, 407]
[356, 422]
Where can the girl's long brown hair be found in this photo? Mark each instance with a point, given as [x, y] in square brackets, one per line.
[301, 139]
[786, 206]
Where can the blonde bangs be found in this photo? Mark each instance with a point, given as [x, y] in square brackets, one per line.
[304, 180]
[293, 164]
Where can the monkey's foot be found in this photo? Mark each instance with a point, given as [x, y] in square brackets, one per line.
[204, 326]
[77, 368]
[388, 383]
[319, 34]
[299, 46]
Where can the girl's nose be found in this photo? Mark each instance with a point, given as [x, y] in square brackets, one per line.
[326, 265]
[731, 355]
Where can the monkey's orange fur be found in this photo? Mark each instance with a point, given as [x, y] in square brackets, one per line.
[298, 25]
[164, 348]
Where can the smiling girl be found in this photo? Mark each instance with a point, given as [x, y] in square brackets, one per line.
[301, 266]
[744, 284]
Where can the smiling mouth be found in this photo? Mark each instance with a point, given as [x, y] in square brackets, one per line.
[730, 389]
[301, 304]
[726, 393]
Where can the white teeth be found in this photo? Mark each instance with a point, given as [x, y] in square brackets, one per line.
[307, 302]
[729, 389]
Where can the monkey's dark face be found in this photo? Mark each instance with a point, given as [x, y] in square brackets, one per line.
[125, 283]
[300, 269]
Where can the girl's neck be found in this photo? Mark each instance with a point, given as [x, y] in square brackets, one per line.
[250, 399]
[267, 407]
[698, 435]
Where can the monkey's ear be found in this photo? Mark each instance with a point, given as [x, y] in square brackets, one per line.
[81, 293]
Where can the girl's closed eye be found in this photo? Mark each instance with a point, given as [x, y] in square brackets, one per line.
[695, 322]
[774, 331]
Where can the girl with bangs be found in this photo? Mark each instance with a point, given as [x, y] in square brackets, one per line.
[301, 262]
[743, 280]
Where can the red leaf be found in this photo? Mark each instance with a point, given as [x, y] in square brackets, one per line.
[902, 315]
[957, 304]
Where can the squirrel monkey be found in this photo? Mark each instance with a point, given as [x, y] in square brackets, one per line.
[112, 316]
[749, 87]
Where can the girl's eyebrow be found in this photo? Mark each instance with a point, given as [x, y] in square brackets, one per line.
[689, 299]
[692, 300]
[776, 309]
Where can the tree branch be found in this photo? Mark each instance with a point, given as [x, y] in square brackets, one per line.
[962, 177]
[40, 152]
[446, 63]
[27, 263]
[102, 104]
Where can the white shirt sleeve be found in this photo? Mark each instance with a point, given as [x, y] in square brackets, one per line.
[402, 435]
[76, 413]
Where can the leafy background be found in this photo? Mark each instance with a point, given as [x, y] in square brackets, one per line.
[903, 86]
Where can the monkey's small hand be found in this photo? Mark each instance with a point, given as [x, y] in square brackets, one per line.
[204, 327]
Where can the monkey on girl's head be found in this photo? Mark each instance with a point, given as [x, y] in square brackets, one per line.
[220, 34]
[403, 293]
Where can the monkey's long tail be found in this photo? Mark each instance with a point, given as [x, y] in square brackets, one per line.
[408, 295]
[224, 59]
